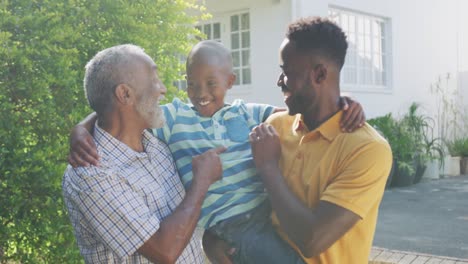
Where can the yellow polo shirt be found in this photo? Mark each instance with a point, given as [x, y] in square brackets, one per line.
[346, 169]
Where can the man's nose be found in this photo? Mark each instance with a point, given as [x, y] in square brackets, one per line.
[162, 88]
[280, 81]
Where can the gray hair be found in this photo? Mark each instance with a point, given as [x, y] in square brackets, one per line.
[105, 71]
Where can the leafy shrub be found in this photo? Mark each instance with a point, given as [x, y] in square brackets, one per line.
[44, 46]
[411, 138]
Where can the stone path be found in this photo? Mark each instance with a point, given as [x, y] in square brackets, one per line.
[386, 256]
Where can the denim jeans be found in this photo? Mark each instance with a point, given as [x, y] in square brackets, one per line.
[255, 239]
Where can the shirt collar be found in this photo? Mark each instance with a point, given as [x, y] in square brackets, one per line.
[329, 129]
[112, 148]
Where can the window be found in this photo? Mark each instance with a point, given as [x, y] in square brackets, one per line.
[211, 30]
[240, 47]
[367, 64]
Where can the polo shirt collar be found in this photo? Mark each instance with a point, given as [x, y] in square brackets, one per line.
[328, 130]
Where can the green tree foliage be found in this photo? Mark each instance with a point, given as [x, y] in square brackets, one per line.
[44, 46]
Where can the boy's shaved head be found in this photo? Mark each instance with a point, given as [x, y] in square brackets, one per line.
[210, 52]
[209, 76]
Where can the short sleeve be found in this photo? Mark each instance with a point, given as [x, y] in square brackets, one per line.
[117, 214]
[260, 112]
[360, 183]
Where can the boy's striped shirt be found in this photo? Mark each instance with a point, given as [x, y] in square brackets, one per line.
[189, 134]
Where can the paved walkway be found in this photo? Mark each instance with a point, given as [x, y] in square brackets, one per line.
[430, 218]
[386, 256]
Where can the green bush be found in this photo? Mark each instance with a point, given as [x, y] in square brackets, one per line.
[44, 46]
[399, 136]
[411, 138]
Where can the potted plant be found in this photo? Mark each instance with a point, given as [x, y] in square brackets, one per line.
[405, 174]
[405, 152]
[452, 162]
[413, 145]
[464, 158]
[458, 149]
[428, 149]
[448, 116]
[435, 153]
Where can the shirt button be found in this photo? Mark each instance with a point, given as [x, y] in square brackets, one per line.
[299, 156]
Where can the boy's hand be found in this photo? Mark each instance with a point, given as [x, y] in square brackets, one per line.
[207, 167]
[82, 148]
[216, 249]
[353, 114]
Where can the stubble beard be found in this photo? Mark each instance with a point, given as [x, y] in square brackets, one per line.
[152, 113]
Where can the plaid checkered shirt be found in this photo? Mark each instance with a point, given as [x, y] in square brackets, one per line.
[117, 206]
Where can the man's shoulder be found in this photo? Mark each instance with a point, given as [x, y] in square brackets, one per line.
[83, 178]
[90, 171]
[365, 137]
[367, 132]
[108, 159]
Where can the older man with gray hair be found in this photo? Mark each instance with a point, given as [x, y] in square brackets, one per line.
[132, 207]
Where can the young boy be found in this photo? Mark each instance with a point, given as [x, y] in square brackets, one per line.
[236, 207]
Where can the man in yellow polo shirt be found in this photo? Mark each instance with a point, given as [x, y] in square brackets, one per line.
[325, 186]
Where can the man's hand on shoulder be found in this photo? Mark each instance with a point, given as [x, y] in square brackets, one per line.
[83, 151]
[353, 114]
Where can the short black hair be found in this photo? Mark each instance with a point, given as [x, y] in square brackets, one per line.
[319, 35]
[210, 50]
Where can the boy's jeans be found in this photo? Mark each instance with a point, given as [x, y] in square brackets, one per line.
[255, 239]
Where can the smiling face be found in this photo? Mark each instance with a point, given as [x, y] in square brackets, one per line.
[296, 80]
[207, 85]
[209, 76]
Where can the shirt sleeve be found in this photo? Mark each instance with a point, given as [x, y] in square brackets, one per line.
[170, 112]
[118, 215]
[260, 112]
[361, 181]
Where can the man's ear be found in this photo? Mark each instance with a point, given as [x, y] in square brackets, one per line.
[124, 94]
[231, 80]
[320, 73]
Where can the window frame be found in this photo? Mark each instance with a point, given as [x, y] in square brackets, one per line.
[363, 49]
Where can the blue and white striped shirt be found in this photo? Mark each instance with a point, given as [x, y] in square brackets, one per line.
[189, 134]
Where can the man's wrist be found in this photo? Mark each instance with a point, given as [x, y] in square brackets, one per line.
[200, 187]
[268, 169]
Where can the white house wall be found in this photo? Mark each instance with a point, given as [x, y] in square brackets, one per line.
[429, 39]
[424, 46]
